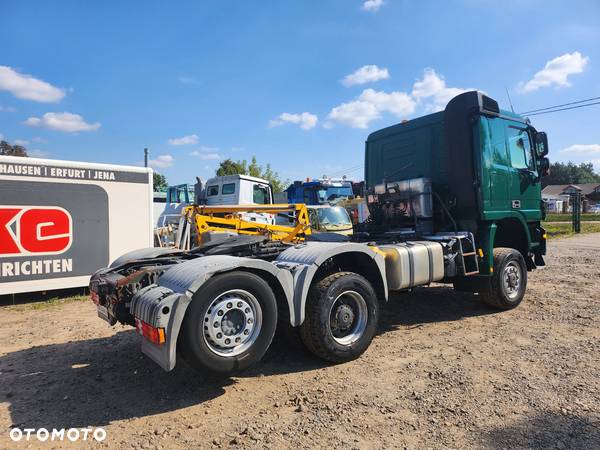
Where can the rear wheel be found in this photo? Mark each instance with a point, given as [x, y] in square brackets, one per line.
[342, 315]
[230, 323]
[509, 280]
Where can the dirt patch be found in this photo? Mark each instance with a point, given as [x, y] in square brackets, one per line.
[445, 371]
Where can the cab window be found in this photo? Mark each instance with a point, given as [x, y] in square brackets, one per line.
[178, 194]
[520, 148]
[212, 190]
[228, 188]
[498, 142]
[260, 195]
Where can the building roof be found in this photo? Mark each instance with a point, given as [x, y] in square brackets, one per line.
[546, 196]
[558, 189]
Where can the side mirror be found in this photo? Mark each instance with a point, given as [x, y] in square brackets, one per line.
[541, 144]
[544, 167]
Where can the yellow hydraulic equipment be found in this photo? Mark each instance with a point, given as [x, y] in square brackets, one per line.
[230, 218]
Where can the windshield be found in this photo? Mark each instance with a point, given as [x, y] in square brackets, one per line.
[334, 192]
[333, 216]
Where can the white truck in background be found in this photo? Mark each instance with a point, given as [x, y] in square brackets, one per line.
[220, 190]
[237, 190]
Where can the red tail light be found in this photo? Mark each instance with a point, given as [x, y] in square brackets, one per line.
[154, 335]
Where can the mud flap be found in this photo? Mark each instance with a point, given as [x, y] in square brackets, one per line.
[476, 283]
[161, 308]
[538, 259]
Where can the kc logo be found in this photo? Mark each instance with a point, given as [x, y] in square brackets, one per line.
[34, 230]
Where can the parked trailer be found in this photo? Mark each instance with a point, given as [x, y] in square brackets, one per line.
[60, 221]
[454, 197]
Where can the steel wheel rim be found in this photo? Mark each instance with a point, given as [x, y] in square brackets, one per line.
[348, 317]
[512, 279]
[232, 323]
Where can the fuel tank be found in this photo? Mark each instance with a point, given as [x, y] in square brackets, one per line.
[413, 263]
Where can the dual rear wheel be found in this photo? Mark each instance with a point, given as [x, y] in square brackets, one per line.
[232, 319]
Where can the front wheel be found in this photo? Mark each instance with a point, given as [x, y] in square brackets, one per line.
[230, 323]
[342, 314]
[509, 279]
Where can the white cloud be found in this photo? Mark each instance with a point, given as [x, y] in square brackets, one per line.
[39, 140]
[185, 140]
[26, 87]
[1, 136]
[366, 74]
[205, 156]
[398, 103]
[369, 106]
[305, 120]
[429, 93]
[355, 114]
[372, 5]
[161, 162]
[38, 153]
[206, 153]
[556, 72]
[596, 163]
[67, 122]
[21, 142]
[432, 90]
[582, 149]
[7, 109]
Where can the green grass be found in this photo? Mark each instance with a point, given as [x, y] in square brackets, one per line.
[567, 217]
[556, 230]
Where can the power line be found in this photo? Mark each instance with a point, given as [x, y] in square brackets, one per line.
[564, 109]
[349, 169]
[355, 169]
[560, 106]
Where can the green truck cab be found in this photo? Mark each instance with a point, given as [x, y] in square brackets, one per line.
[484, 166]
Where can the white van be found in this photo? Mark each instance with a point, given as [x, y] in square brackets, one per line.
[240, 190]
[237, 190]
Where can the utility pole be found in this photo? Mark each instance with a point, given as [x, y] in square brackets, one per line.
[576, 211]
[145, 157]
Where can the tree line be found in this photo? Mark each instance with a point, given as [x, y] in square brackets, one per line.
[12, 150]
[560, 173]
[571, 173]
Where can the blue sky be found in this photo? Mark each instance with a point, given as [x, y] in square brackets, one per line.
[299, 84]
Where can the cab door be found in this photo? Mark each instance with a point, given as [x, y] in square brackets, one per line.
[500, 170]
[525, 190]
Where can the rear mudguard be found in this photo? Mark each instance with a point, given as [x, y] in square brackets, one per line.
[164, 305]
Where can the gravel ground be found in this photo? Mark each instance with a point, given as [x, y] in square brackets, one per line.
[445, 371]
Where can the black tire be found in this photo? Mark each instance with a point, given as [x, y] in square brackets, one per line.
[316, 330]
[499, 295]
[193, 341]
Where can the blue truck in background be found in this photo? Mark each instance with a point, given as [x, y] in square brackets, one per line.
[320, 191]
